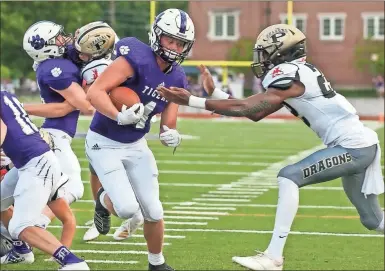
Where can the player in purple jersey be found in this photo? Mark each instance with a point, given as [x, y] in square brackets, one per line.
[59, 81]
[40, 182]
[115, 146]
[95, 44]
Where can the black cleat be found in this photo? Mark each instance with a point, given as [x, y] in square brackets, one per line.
[102, 217]
[162, 267]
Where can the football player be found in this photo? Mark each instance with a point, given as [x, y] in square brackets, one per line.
[40, 182]
[95, 44]
[59, 81]
[352, 152]
[116, 147]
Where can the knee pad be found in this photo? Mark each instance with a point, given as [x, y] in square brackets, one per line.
[75, 191]
[126, 210]
[16, 227]
[153, 213]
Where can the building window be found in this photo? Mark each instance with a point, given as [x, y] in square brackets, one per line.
[332, 26]
[373, 25]
[299, 20]
[224, 25]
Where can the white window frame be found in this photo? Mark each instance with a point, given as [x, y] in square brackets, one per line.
[211, 33]
[332, 17]
[296, 16]
[376, 16]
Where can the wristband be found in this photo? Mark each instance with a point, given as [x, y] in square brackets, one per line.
[197, 102]
[219, 94]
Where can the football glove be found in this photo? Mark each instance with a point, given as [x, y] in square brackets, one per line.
[171, 137]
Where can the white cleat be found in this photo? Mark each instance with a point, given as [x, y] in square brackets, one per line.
[13, 257]
[91, 234]
[75, 266]
[259, 262]
[128, 228]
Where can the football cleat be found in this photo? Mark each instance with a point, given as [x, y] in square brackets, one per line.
[102, 217]
[92, 233]
[13, 257]
[261, 261]
[75, 266]
[162, 267]
[128, 227]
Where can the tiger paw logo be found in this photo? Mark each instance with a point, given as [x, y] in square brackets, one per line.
[56, 72]
[124, 50]
[36, 42]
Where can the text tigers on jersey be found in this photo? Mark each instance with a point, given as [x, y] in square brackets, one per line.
[327, 163]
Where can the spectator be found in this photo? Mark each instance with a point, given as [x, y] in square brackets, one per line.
[378, 82]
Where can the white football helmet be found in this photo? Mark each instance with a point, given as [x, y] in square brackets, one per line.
[41, 41]
[176, 24]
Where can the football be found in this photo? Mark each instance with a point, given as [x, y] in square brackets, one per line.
[123, 96]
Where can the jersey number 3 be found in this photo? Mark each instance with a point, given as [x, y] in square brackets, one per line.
[21, 116]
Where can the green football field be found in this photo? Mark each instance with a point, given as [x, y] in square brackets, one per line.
[219, 195]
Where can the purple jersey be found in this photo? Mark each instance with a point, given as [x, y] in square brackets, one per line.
[23, 141]
[147, 77]
[58, 73]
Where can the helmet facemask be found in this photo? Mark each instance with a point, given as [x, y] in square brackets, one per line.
[168, 55]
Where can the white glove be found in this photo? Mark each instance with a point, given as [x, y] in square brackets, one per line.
[92, 70]
[170, 136]
[4, 159]
[131, 115]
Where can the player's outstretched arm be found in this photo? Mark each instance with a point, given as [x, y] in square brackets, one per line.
[49, 110]
[114, 75]
[3, 131]
[76, 96]
[254, 107]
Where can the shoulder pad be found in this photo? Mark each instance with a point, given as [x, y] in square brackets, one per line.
[133, 50]
[57, 68]
[92, 70]
[281, 75]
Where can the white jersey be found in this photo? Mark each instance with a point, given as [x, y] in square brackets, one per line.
[326, 112]
[93, 69]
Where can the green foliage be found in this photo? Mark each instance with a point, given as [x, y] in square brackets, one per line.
[128, 19]
[17, 16]
[5, 72]
[363, 54]
[242, 50]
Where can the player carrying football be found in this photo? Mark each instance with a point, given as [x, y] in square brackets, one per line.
[115, 143]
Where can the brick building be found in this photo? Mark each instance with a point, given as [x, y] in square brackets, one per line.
[332, 28]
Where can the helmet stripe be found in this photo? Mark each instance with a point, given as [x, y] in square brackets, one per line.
[183, 21]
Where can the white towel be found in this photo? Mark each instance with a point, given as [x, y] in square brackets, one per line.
[374, 181]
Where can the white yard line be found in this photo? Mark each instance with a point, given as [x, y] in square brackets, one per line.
[204, 208]
[194, 172]
[109, 251]
[269, 232]
[120, 243]
[166, 236]
[256, 151]
[104, 261]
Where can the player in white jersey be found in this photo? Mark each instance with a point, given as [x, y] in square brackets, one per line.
[352, 152]
[96, 59]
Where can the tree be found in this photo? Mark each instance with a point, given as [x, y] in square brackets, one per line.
[17, 16]
[369, 56]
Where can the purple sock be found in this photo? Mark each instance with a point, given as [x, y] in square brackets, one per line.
[21, 247]
[64, 256]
